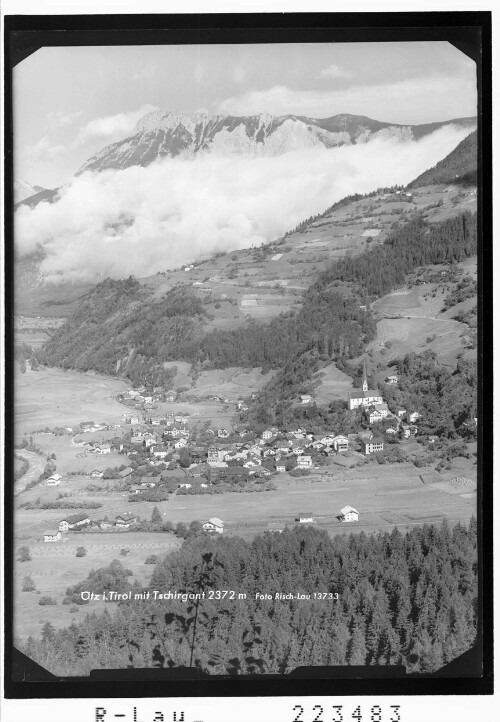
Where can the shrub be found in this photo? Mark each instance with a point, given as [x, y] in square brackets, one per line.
[28, 585]
[124, 552]
[24, 554]
[45, 601]
[81, 552]
[152, 559]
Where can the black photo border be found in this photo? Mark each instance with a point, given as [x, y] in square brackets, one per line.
[470, 32]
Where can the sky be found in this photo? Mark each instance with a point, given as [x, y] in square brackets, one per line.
[71, 102]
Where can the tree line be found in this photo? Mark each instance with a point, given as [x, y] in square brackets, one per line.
[407, 599]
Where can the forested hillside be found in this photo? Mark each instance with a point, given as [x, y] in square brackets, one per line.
[115, 331]
[459, 167]
[408, 600]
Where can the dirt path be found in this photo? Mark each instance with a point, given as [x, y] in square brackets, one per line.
[37, 465]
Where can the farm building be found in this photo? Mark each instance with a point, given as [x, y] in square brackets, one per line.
[275, 527]
[53, 535]
[349, 513]
[304, 518]
[73, 521]
[125, 472]
[125, 520]
[214, 525]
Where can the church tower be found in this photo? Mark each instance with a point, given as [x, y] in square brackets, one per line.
[365, 378]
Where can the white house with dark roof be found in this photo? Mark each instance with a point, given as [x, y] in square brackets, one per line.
[214, 525]
[349, 513]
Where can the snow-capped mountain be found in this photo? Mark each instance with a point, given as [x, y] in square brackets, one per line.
[23, 189]
[160, 134]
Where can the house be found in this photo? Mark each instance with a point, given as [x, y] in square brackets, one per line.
[433, 439]
[413, 417]
[125, 520]
[55, 477]
[280, 468]
[214, 525]
[136, 489]
[275, 527]
[373, 445]
[400, 413]
[170, 398]
[349, 513]
[391, 380]
[340, 443]
[267, 434]
[408, 430]
[97, 474]
[304, 462]
[365, 396]
[391, 431]
[185, 486]
[305, 399]
[198, 470]
[52, 535]
[180, 444]
[125, 472]
[374, 416]
[215, 456]
[159, 452]
[222, 433]
[74, 521]
[304, 518]
[52, 481]
[105, 524]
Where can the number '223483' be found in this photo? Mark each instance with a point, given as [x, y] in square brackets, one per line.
[341, 714]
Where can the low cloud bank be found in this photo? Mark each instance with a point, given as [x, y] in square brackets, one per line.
[143, 220]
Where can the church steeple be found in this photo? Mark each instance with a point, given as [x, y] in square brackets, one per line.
[365, 377]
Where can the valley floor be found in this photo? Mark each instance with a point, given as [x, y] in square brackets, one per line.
[385, 495]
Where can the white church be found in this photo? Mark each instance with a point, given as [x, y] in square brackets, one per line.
[365, 397]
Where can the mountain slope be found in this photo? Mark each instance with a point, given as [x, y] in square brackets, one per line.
[46, 195]
[459, 167]
[23, 189]
[161, 134]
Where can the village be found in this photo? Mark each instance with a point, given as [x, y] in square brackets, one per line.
[163, 457]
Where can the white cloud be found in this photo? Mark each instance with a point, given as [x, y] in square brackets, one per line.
[112, 127]
[424, 99]
[335, 71]
[43, 151]
[59, 119]
[146, 73]
[142, 220]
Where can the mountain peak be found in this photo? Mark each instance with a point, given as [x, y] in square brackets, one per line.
[166, 133]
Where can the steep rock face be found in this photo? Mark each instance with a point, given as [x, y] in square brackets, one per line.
[161, 134]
